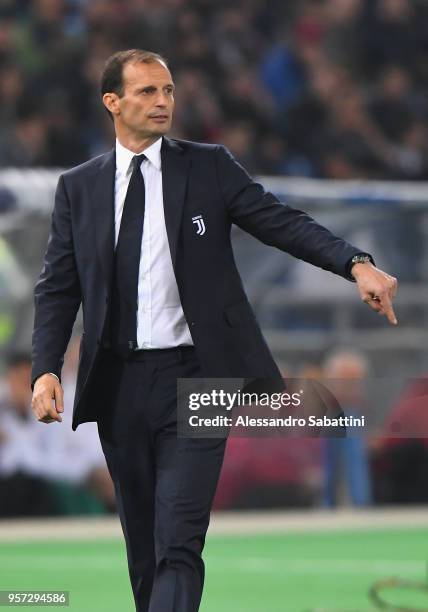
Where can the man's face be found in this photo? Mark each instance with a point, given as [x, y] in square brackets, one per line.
[147, 104]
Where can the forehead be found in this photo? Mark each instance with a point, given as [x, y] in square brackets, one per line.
[141, 74]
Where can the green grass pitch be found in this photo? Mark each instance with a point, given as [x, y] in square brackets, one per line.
[294, 572]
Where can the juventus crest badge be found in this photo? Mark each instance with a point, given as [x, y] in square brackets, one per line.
[200, 225]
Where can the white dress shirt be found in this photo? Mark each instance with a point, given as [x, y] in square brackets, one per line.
[160, 318]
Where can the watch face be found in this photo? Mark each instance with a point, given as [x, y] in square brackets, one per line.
[361, 258]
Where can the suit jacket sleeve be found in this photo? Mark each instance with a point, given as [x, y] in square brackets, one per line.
[261, 214]
[57, 293]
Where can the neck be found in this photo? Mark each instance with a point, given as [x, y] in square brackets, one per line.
[135, 142]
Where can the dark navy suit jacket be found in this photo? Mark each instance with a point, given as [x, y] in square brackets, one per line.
[198, 179]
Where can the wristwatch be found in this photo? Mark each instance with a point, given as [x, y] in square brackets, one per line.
[359, 258]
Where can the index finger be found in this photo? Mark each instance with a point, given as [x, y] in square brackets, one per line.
[59, 398]
[386, 304]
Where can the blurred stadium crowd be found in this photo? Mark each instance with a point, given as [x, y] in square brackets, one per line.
[315, 88]
[323, 88]
[51, 470]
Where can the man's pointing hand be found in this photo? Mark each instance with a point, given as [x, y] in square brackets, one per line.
[376, 288]
[46, 389]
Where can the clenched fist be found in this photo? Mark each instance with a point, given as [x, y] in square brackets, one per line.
[48, 399]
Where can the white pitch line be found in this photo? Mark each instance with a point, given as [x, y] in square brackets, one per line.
[317, 520]
[70, 563]
[78, 562]
[224, 523]
[323, 566]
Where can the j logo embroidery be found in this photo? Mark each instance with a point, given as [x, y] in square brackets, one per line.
[199, 222]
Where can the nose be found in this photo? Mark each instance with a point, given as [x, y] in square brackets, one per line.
[162, 100]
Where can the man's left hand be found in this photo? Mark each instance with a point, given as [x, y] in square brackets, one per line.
[376, 288]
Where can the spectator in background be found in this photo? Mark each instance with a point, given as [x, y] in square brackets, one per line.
[35, 462]
[198, 112]
[272, 156]
[243, 96]
[401, 114]
[240, 138]
[345, 459]
[393, 34]
[282, 73]
[393, 101]
[303, 122]
[351, 135]
[343, 22]
[24, 142]
[400, 457]
[412, 153]
[83, 450]
[285, 469]
[65, 145]
[340, 84]
[23, 491]
[11, 87]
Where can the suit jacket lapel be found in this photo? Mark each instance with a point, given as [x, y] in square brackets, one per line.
[175, 172]
[103, 207]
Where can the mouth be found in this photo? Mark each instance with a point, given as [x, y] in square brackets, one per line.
[160, 118]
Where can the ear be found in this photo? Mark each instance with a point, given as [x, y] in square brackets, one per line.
[111, 102]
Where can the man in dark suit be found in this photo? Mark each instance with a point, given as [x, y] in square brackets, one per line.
[140, 237]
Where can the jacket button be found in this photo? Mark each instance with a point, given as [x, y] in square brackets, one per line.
[193, 324]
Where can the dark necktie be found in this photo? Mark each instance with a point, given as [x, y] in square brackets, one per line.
[126, 265]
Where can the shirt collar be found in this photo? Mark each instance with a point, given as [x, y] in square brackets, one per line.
[124, 156]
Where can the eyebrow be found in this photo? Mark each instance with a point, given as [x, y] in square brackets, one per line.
[154, 87]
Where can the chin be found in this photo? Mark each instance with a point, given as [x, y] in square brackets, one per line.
[163, 132]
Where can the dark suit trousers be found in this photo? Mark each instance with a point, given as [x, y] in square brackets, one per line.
[164, 485]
